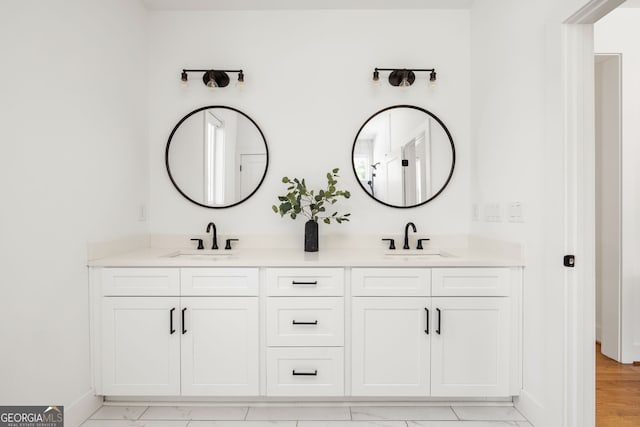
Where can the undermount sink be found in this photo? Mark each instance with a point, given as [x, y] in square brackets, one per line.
[426, 253]
[202, 254]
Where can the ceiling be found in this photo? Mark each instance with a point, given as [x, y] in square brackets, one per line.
[631, 3]
[303, 4]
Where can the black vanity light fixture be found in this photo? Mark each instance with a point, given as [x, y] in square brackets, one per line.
[214, 78]
[404, 77]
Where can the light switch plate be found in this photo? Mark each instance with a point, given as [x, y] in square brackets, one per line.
[492, 212]
[516, 212]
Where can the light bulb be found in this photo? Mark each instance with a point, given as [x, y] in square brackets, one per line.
[376, 79]
[184, 80]
[432, 79]
[240, 82]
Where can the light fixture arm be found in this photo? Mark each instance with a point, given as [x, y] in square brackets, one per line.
[212, 77]
[403, 77]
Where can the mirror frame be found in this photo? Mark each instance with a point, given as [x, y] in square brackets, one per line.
[433, 116]
[175, 128]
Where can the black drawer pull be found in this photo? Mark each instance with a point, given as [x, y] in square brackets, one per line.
[439, 321]
[184, 329]
[426, 331]
[295, 322]
[296, 282]
[171, 330]
[308, 374]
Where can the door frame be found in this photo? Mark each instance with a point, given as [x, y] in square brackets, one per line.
[579, 189]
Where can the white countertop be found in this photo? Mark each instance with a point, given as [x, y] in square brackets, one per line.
[330, 257]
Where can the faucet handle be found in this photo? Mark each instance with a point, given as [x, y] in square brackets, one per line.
[200, 243]
[227, 246]
[420, 243]
[392, 243]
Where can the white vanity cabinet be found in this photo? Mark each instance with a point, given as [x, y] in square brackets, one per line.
[288, 332]
[435, 341]
[305, 331]
[140, 353]
[153, 341]
[390, 349]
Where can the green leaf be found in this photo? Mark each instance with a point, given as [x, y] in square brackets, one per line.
[347, 214]
[339, 221]
[285, 179]
[327, 221]
[336, 170]
[293, 215]
[334, 214]
[318, 198]
[332, 189]
[275, 208]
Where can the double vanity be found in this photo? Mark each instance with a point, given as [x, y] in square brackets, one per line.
[430, 320]
[339, 323]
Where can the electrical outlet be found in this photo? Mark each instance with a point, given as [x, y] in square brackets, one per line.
[142, 213]
[475, 212]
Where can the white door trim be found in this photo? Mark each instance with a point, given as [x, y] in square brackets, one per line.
[579, 147]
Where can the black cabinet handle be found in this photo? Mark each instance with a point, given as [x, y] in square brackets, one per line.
[184, 330]
[171, 330]
[315, 322]
[309, 374]
[296, 282]
[426, 331]
[439, 321]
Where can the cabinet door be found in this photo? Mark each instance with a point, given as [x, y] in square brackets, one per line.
[470, 347]
[220, 346]
[140, 346]
[390, 352]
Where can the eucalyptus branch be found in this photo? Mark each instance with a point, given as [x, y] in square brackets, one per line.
[311, 203]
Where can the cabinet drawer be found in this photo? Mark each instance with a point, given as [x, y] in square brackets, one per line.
[305, 281]
[391, 282]
[300, 322]
[140, 282]
[470, 282]
[219, 281]
[317, 371]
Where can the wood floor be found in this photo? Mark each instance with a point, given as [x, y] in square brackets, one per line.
[617, 393]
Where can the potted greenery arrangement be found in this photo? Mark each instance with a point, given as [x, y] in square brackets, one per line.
[313, 205]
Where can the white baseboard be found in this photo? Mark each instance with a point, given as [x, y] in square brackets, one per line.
[599, 333]
[77, 412]
[530, 408]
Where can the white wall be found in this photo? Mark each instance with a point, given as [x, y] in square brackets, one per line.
[73, 169]
[516, 80]
[619, 32]
[308, 86]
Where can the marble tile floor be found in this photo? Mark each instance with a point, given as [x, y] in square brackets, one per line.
[306, 416]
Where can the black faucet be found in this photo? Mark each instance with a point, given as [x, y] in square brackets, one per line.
[406, 234]
[214, 245]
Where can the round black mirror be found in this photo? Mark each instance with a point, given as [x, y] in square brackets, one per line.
[216, 156]
[403, 156]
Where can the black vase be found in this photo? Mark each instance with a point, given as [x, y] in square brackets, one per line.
[311, 236]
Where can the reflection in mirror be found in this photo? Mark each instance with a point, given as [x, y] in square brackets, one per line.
[216, 157]
[403, 156]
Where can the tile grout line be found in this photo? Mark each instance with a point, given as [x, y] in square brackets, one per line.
[143, 412]
[455, 413]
